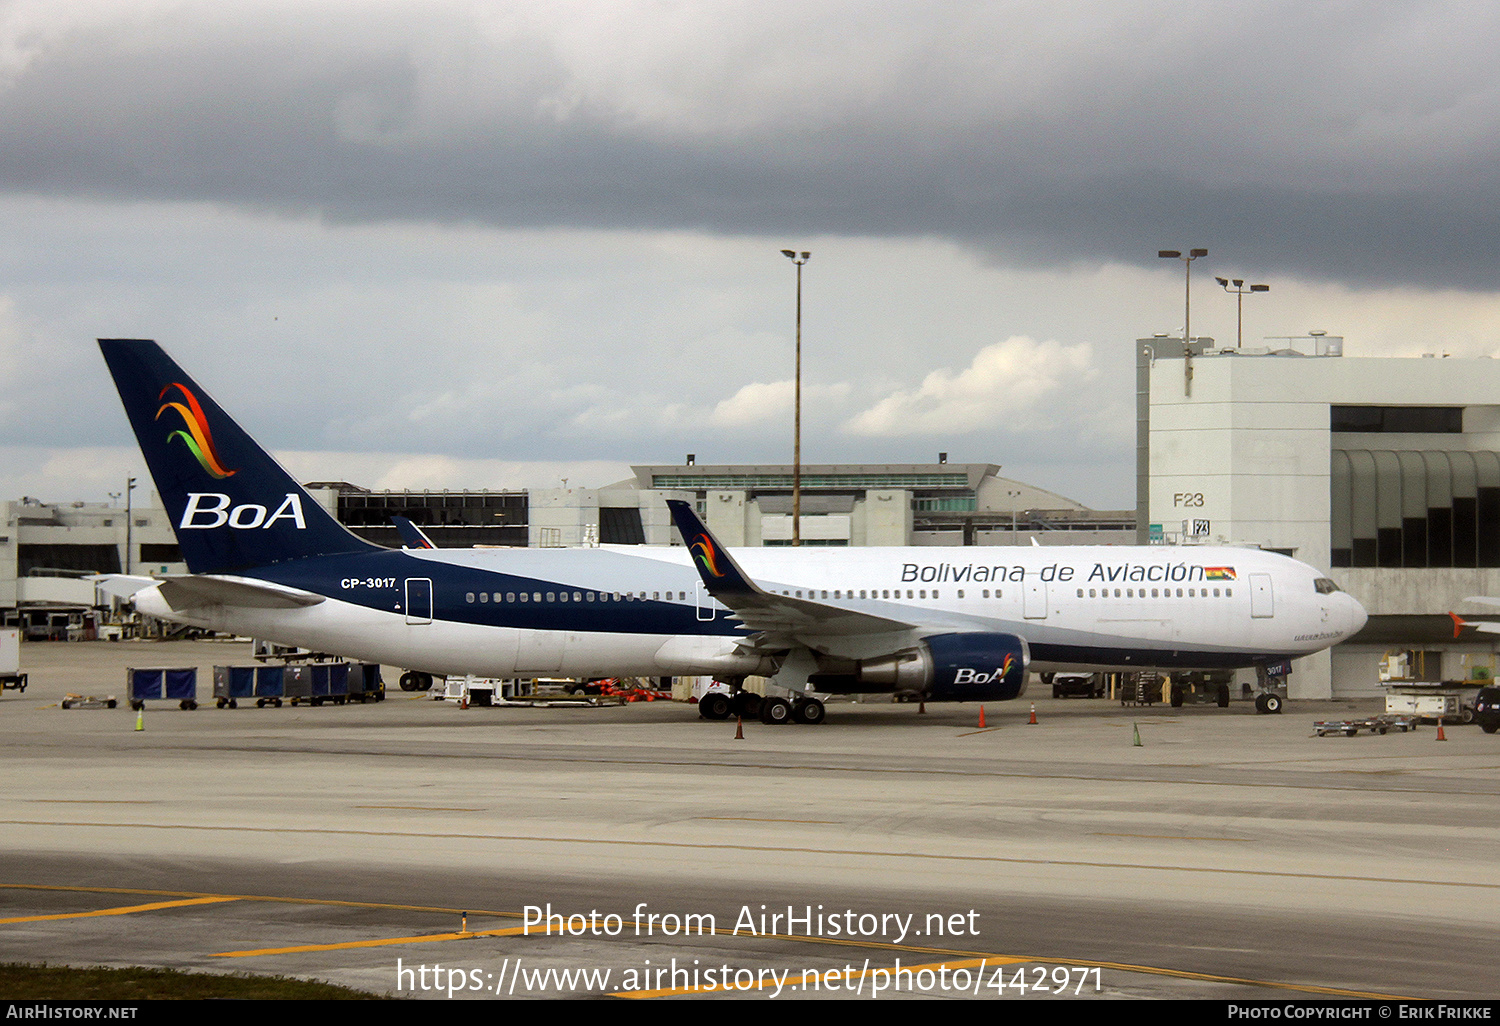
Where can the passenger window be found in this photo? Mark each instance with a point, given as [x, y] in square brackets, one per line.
[469, 597]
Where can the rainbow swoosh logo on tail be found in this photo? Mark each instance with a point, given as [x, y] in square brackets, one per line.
[197, 437]
[707, 556]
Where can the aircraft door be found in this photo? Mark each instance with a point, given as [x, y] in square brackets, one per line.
[1261, 604]
[1034, 600]
[706, 609]
[419, 600]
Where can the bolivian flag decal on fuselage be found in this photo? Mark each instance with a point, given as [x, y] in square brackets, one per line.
[197, 437]
[1219, 573]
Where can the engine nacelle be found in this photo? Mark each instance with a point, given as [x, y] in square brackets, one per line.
[955, 668]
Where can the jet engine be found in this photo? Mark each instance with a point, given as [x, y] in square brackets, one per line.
[953, 668]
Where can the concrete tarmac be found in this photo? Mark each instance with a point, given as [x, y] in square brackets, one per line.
[1229, 855]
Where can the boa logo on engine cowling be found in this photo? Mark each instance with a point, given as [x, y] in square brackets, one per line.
[969, 675]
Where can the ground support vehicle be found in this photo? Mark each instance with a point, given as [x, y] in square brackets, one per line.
[1452, 700]
[75, 701]
[1487, 709]
[1080, 685]
[1201, 687]
[1374, 724]
[150, 683]
[11, 677]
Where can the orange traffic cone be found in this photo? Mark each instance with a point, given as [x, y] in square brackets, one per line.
[981, 717]
[1033, 712]
[739, 729]
[1441, 736]
[921, 707]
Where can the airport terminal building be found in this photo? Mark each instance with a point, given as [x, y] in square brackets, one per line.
[1385, 473]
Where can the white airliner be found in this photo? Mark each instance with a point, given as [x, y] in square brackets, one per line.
[946, 624]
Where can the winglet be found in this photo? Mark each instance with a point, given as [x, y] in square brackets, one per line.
[1458, 622]
[721, 575]
[412, 536]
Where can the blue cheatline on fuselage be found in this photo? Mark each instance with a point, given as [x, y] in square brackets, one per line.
[378, 580]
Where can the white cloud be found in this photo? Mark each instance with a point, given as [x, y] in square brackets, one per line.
[1006, 384]
[771, 402]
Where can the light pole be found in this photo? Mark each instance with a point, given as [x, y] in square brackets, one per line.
[1187, 310]
[1240, 290]
[1187, 285]
[799, 260]
[129, 487]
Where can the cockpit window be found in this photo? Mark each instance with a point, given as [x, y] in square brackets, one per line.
[1325, 586]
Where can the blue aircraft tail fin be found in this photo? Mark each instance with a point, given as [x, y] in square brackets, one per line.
[721, 575]
[412, 536]
[232, 506]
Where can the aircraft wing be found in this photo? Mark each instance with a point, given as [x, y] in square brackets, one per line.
[760, 610]
[180, 592]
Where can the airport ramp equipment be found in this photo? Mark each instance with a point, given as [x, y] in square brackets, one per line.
[162, 683]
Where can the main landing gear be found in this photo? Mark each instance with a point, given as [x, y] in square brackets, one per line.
[716, 705]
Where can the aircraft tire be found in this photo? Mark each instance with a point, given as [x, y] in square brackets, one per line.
[810, 711]
[1273, 703]
[408, 681]
[1260, 703]
[424, 682]
[775, 711]
[714, 706]
[747, 704]
[1223, 696]
[1176, 697]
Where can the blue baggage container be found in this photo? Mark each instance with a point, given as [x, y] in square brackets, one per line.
[150, 683]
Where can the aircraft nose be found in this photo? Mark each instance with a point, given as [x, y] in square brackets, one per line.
[1354, 615]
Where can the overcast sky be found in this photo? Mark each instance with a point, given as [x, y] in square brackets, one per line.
[465, 245]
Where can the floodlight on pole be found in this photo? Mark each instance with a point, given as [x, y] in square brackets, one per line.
[1237, 287]
[1187, 309]
[799, 260]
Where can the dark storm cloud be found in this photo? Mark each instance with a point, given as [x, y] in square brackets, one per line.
[1332, 141]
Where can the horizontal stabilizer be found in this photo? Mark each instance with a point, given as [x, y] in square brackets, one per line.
[204, 589]
[122, 586]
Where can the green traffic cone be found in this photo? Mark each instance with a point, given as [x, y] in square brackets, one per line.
[1137, 727]
[140, 718]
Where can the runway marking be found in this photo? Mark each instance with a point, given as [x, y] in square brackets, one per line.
[606, 842]
[986, 730]
[426, 938]
[127, 910]
[199, 898]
